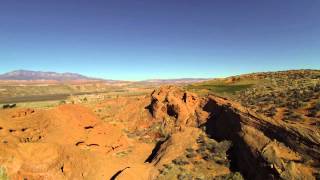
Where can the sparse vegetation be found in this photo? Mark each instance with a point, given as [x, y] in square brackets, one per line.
[221, 89]
[291, 98]
[201, 162]
[6, 106]
[231, 176]
[123, 153]
[295, 92]
[314, 110]
[211, 150]
[3, 174]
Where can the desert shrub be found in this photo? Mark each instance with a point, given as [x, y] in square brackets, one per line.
[163, 171]
[180, 161]
[6, 106]
[3, 174]
[189, 150]
[211, 150]
[231, 176]
[222, 147]
[290, 115]
[296, 116]
[317, 175]
[130, 134]
[277, 102]
[317, 106]
[294, 104]
[199, 178]
[313, 111]
[190, 153]
[271, 112]
[200, 139]
[184, 177]
[163, 132]
[316, 88]
[173, 171]
[167, 166]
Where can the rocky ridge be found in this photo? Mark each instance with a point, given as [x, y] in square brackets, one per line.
[261, 147]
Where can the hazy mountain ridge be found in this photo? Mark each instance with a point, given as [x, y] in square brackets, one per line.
[28, 75]
[41, 75]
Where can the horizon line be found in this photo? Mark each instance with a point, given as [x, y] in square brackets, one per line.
[150, 79]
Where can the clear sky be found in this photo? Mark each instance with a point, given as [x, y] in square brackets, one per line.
[136, 40]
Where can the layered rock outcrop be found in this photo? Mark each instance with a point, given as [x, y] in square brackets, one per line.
[176, 108]
[262, 148]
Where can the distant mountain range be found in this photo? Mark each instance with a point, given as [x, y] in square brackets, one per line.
[27, 75]
[39, 75]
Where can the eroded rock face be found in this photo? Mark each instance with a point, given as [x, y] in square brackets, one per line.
[175, 107]
[262, 147]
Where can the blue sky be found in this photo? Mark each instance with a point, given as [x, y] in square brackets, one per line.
[136, 40]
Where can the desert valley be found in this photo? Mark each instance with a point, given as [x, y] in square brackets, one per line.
[159, 90]
[67, 126]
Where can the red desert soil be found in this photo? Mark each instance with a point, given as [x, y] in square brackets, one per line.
[68, 142]
[224, 138]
